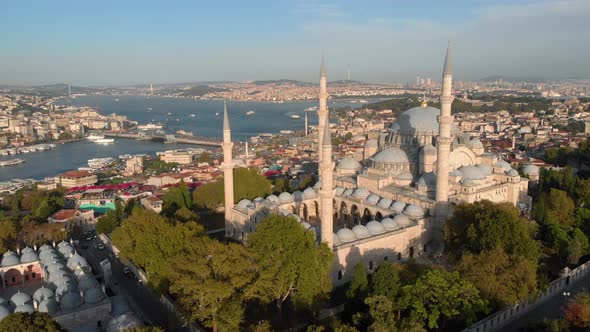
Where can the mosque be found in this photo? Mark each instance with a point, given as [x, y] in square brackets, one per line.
[392, 205]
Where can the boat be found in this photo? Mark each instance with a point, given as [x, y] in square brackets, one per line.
[11, 162]
[94, 137]
[295, 116]
[150, 126]
[117, 99]
[169, 113]
[104, 140]
[216, 113]
[149, 108]
[97, 163]
[250, 112]
[312, 108]
[192, 115]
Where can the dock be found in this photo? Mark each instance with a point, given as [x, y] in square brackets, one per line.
[204, 141]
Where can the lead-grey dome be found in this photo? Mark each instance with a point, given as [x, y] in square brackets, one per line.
[384, 203]
[76, 260]
[389, 224]
[29, 257]
[285, 197]
[70, 300]
[419, 120]
[373, 199]
[339, 191]
[336, 240]
[530, 169]
[347, 192]
[346, 235]
[361, 193]
[391, 155]
[512, 172]
[49, 306]
[25, 308]
[4, 311]
[503, 164]
[20, 299]
[402, 220]
[349, 163]
[398, 206]
[470, 172]
[94, 295]
[273, 199]
[43, 293]
[361, 232]
[244, 204]
[309, 193]
[9, 259]
[413, 211]
[375, 227]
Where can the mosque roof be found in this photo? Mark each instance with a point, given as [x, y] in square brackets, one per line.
[531, 169]
[414, 211]
[398, 207]
[419, 120]
[309, 193]
[375, 227]
[349, 163]
[285, 197]
[389, 224]
[346, 235]
[361, 231]
[391, 155]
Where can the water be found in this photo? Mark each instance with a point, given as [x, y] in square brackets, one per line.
[207, 121]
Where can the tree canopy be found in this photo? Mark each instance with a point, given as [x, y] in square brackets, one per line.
[26, 322]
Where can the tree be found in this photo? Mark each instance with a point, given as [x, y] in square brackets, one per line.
[577, 312]
[386, 281]
[176, 198]
[357, 290]
[145, 329]
[561, 206]
[208, 278]
[185, 215]
[111, 220]
[205, 157]
[33, 322]
[381, 313]
[483, 225]
[7, 235]
[502, 279]
[440, 295]
[290, 264]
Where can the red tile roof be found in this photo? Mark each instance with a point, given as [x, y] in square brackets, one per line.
[75, 174]
[64, 214]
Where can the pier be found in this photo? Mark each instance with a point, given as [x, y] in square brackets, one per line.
[204, 141]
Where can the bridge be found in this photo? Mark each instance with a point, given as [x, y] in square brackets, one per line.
[204, 141]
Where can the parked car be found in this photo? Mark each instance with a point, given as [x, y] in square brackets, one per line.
[100, 246]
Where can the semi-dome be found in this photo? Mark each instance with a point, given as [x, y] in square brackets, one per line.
[404, 176]
[347, 192]
[43, 293]
[469, 172]
[361, 232]
[418, 120]
[372, 143]
[273, 199]
[339, 191]
[531, 169]
[24, 308]
[93, 295]
[70, 300]
[398, 206]
[10, 259]
[375, 227]
[309, 193]
[373, 199]
[384, 203]
[512, 172]
[414, 211]
[29, 257]
[49, 306]
[389, 224]
[346, 235]
[349, 164]
[361, 193]
[391, 155]
[285, 197]
[20, 299]
[427, 179]
[476, 143]
[402, 220]
[336, 240]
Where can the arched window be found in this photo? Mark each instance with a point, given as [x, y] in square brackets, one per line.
[339, 275]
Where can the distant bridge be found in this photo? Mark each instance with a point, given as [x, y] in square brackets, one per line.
[168, 138]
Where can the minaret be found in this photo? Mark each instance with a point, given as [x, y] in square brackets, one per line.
[444, 143]
[327, 190]
[322, 110]
[228, 166]
[69, 91]
[306, 126]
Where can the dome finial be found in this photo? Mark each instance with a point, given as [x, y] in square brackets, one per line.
[424, 102]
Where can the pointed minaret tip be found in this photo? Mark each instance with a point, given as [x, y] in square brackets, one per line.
[323, 68]
[225, 117]
[447, 68]
[327, 139]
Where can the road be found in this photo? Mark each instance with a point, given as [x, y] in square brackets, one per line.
[550, 309]
[145, 304]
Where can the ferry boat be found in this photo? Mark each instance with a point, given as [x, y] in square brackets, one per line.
[96, 163]
[94, 137]
[150, 126]
[11, 162]
[192, 115]
[295, 116]
[250, 112]
[104, 140]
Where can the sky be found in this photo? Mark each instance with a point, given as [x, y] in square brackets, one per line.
[113, 42]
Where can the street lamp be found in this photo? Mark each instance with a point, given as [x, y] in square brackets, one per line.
[565, 296]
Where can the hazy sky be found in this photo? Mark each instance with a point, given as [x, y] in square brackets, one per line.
[129, 42]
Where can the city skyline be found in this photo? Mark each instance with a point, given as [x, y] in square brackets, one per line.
[151, 42]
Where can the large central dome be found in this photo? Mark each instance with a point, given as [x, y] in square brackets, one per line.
[418, 120]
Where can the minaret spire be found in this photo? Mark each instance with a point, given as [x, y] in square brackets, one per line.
[228, 172]
[326, 190]
[444, 140]
[322, 110]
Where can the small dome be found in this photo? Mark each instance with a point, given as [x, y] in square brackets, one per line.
[273, 199]
[70, 300]
[86, 282]
[66, 250]
[309, 193]
[305, 225]
[429, 149]
[361, 231]
[338, 191]
[94, 295]
[63, 244]
[404, 176]
[485, 169]
[45, 247]
[336, 240]
[361, 193]
[244, 204]
[476, 143]
[10, 259]
[530, 169]
[28, 308]
[391, 155]
[55, 268]
[317, 185]
[20, 299]
[43, 293]
[26, 250]
[29, 257]
[76, 260]
[414, 211]
[402, 220]
[384, 203]
[373, 199]
[503, 164]
[398, 206]
[44, 254]
[349, 163]
[346, 235]
[285, 197]
[375, 227]
[258, 200]
[512, 172]
[298, 196]
[389, 224]
[4, 311]
[347, 192]
[469, 172]
[49, 306]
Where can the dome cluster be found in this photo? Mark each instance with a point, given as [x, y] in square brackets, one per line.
[372, 228]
